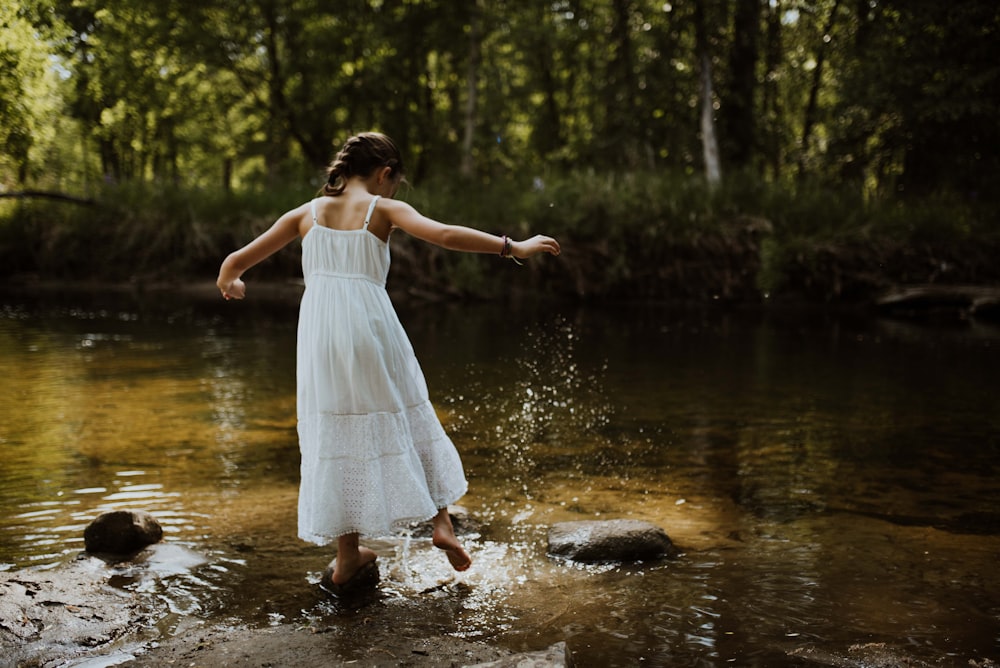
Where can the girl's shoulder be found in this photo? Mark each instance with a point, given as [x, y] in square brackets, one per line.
[394, 208]
[301, 209]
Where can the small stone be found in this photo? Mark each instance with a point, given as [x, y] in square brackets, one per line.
[122, 532]
[609, 540]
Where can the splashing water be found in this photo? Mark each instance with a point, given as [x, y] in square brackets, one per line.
[552, 405]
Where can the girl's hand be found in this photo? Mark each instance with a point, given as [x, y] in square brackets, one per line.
[235, 290]
[533, 246]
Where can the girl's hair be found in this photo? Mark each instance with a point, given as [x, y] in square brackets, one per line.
[360, 156]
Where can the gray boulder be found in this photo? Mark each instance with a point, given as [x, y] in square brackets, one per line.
[122, 532]
[609, 540]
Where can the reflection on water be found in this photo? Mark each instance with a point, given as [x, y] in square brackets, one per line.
[830, 479]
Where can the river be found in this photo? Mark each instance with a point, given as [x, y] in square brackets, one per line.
[830, 478]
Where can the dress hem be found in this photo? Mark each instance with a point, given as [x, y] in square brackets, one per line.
[326, 539]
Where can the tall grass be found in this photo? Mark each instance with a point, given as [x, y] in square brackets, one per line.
[135, 232]
[625, 235]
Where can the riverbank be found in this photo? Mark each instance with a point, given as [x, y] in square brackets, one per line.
[922, 301]
[632, 236]
[76, 615]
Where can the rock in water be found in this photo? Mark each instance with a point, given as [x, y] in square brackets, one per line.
[122, 532]
[609, 540]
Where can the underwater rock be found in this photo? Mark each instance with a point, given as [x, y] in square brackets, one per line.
[122, 532]
[609, 540]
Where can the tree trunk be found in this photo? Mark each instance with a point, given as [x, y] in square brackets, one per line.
[811, 107]
[275, 152]
[739, 131]
[547, 131]
[621, 94]
[851, 146]
[709, 143]
[472, 90]
[772, 97]
[284, 120]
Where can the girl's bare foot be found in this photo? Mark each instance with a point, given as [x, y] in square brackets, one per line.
[350, 562]
[459, 558]
[444, 539]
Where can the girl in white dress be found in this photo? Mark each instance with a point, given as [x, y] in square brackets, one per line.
[374, 455]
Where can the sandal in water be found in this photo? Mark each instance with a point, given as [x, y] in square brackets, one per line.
[364, 579]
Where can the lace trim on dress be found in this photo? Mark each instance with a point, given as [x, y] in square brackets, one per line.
[347, 460]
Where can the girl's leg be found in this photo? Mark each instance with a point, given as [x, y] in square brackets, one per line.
[444, 539]
[350, 558]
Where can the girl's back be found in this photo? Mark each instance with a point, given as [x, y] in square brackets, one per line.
[347, 212]
[334, 251]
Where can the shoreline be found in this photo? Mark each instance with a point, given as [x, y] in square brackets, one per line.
[907, 300]
[73, 614]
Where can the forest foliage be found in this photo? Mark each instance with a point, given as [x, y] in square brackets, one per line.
[877, 104]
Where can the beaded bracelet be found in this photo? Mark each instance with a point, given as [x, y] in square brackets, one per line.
[505, 252]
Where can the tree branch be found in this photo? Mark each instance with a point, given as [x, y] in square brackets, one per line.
[45, 194]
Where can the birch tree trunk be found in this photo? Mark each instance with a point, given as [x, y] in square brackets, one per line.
[709, 142]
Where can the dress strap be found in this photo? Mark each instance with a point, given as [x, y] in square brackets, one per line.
[312, 205]
[371, 207]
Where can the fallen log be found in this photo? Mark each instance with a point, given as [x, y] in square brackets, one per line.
[963, 300]
[48, 194]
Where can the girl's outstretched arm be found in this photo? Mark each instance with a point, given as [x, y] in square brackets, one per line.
[459, 237]
[279, 235]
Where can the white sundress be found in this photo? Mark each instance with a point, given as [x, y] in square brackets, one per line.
[374, 454]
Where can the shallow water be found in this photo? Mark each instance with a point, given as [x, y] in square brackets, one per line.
[830, 479]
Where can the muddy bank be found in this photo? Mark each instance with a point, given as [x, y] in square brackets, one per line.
[51, 617]
[362, 642]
